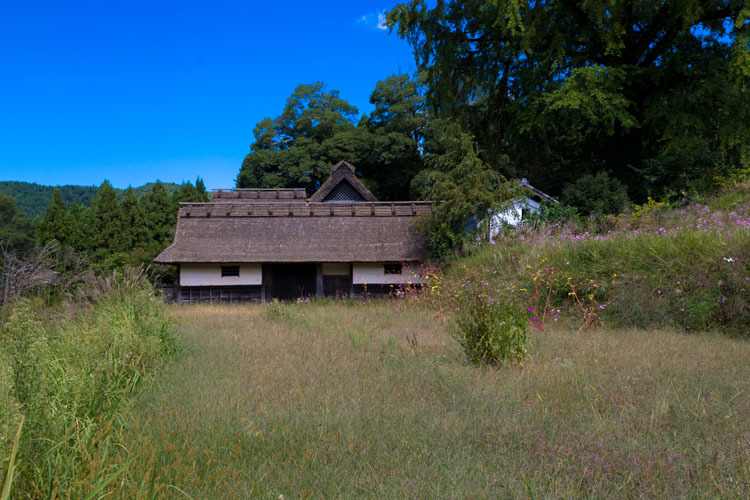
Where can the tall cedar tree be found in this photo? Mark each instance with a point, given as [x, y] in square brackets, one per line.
[16, 229]
[189, 193]
[54, 224]
[108, 234]
[78, 224]
[134, 234]
[159, 216]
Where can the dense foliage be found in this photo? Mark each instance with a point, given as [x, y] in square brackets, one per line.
[15, 227]
[317, 129]
[654, 92]
[599, 105]
[32, 198]
[116, 233]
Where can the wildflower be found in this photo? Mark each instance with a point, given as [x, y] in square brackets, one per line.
[729, 259]
[659, 292]
[602, 306]
[682, 309]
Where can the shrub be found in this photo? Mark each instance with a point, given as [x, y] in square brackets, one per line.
[491, 329]
[550, 213]
[596, 194]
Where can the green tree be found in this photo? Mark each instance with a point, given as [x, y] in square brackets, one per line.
[470, 193]
[134, 232]
[596, 194]
[396, 127]
[54, 224]
[108, 233]
[16, 229]
[316, 130]
[79, 224]
[189, 193]
[291, 150]
[160, 217]
[655, 92]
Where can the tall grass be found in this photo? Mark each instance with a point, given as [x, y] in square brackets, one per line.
[71, 376]
[344, 400]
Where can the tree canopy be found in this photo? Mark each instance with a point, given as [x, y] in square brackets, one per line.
[654, 92]
[317, 129]
[293, 150]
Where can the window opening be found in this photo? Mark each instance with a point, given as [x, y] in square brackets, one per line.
[392, 268]
[230, 271]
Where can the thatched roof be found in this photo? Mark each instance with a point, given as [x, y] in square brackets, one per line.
[342, 172]
[297, 232]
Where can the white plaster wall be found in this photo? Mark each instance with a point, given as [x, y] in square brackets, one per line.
[373, 273]
[336, 268]
[512, 216]
[210, 275]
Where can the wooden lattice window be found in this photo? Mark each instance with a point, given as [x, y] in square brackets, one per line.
[344, 191]
[392, 268]
[230, 271]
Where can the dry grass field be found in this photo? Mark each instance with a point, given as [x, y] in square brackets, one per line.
[339, 400]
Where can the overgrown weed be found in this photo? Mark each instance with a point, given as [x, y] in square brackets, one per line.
[72, 380]
[294, 407]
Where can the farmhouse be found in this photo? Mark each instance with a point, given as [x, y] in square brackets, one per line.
[259, 244]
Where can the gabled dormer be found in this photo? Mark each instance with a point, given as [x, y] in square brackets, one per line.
[343, 186]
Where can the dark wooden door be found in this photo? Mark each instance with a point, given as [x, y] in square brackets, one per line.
[333, 286]
[291, 281]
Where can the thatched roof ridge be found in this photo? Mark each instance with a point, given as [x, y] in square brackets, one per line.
[311, 209]
[245, 195]
[293, 232]
[342, 171]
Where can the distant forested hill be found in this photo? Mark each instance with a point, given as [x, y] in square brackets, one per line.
[33, 198]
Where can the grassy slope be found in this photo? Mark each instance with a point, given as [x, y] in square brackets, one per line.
[346, 401]
[686, 268]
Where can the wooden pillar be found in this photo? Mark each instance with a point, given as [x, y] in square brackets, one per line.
[319, 279]
[177, 292]
[351, 280]
[262, 283]
[266, 293]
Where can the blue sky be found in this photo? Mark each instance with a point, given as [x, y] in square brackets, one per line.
[135, 91]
